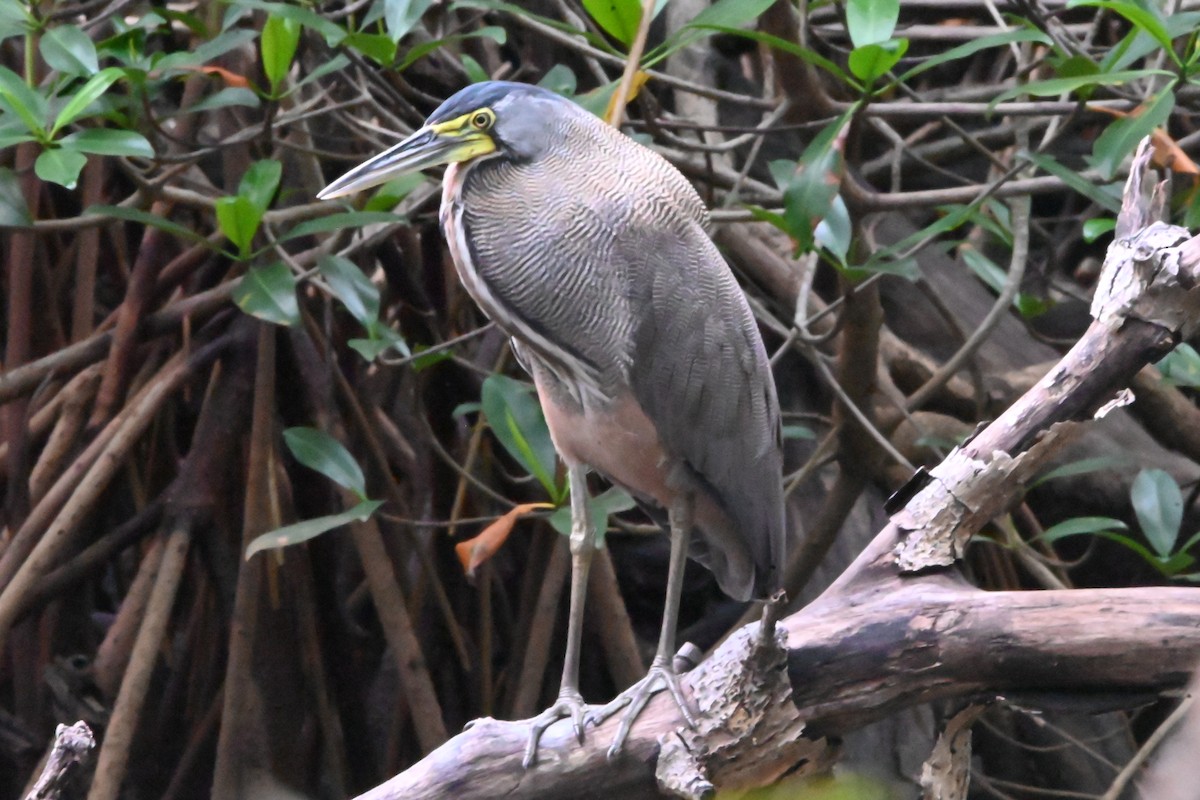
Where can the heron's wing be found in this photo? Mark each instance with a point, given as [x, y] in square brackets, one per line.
[701, 374]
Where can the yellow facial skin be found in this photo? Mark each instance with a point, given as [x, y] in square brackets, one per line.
[456, 140]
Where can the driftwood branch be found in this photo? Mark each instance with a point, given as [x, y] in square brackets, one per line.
[72, 749]
[900, 626]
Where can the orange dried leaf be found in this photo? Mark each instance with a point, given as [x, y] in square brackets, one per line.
[1167, 152]
[230, 78]
[479, 549]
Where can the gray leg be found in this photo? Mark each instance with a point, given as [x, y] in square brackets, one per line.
[583, 544]
[662, 674]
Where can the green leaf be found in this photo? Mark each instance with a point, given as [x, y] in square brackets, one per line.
[378, 47]
[1143, 17]
[611, 501]
[810, 185]
[1181, 366]
[834, 230]
[1096, 227]
[1055, 86]
[1158, 504]
[310, 528]
[229, 96]
[69, 50]
[560, 79]
[475, 71]
[493, 32]
[798, 432]
[516, 418]
[318, 450]
[146, 218]
[973, 47]
[1108, 200]
[618, 18]
[392, 192]
[722, 15]
[14, 19]
[1083, 466]
[23, 101]
[60, 166]
[402, 16]
[108, 142]
[310, 19]
[351, 286]
[871, 21]
[1123, 135]
[14, 211]
[370, 349]
[238, 219]
[269, 293]
[783, 45]
[1081, 525]
[84, 96]
[280, 37]
[340, 220]
[870, 62]
[259, 184]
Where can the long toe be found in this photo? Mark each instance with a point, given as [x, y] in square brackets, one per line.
[635, 698]
[570, 706]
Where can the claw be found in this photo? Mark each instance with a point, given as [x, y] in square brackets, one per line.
[661, 676]
[569, 705]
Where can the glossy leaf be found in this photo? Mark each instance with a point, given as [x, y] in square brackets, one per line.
[611, 501]
[269, 293]
[972, 47]
[352, 287]
[378, 47]
[331, 31]
[260, 183]
[1108, 200]
[23, 101]
[1158, 504]
[871, 21]
[318, 450]
[493, 32]
[1122, 136]
[1081, 525]
[108, 142]
[870, 62]
[310, 528]
[225, 98]
[618, 18]
[1096, 227]
[402, 16]
[280, 37]
[1083, 466]
[1055, 86]
[515, 416]
[60, 166]
[238, 219]
[69, 50]
[84, 96]
[1143, 17]
[341, 220]
[146, 218]
[14, 211]
[1181, 366]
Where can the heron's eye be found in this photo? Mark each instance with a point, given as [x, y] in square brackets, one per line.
[482, 120]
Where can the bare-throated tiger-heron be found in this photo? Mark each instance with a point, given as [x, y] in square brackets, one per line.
[590, 251]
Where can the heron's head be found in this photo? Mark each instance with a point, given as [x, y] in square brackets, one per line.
[496, 118]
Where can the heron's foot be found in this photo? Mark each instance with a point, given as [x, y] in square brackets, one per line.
[569, 705]
[634, 699]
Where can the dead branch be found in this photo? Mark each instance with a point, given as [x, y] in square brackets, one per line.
[900, 627]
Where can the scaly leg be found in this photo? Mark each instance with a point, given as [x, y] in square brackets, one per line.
[583, 544]
[662, 674]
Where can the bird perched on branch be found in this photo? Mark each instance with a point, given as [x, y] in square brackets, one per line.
[590, 251]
